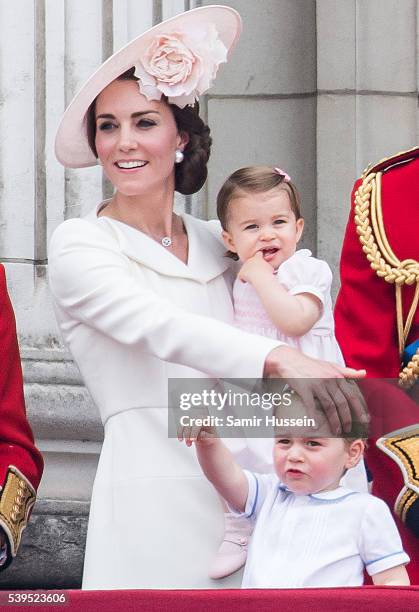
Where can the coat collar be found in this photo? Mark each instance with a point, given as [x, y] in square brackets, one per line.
[206, 258]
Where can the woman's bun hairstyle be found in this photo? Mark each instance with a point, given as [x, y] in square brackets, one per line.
[191, 174]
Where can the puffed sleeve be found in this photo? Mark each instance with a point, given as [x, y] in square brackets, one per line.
[93, 283]
[380, 544]
[21, 463]
[302, 273]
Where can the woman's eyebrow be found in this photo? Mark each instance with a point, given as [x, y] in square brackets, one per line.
[138, 114]
[146, 112]
[105, 116]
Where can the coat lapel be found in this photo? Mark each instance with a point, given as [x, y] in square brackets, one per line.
[206, 259]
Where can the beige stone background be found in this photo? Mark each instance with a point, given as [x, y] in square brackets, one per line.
[318, 87]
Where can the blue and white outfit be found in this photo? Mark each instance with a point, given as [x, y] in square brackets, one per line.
[320, 540]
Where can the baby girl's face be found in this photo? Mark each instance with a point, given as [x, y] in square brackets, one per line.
[311, 465]
[263, 222]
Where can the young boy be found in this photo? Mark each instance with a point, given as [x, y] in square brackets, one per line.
[310, 531]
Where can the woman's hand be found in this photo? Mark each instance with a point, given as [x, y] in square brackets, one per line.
[314, 379]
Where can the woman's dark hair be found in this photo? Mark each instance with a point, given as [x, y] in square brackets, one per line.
[190, 174]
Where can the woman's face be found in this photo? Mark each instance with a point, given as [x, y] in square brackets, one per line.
[136, 139]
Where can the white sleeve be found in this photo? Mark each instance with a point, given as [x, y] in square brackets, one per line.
[306, 275]
[380, 544]
[259, 486]
[91, 281]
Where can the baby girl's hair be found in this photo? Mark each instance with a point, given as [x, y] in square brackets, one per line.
[254, 180]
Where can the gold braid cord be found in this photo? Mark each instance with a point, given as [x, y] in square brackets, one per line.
[16, 500]
[402, 446]
[370, 228]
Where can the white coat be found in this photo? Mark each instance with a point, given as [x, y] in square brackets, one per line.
[133, 315]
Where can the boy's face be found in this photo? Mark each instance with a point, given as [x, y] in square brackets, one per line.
[311, 465]
[263, 222]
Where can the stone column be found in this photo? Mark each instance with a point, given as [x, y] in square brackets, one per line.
[367, 70]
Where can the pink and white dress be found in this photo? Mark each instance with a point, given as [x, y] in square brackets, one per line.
[301, 273]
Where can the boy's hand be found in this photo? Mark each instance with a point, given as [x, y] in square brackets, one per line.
[253, 267]
[198, 430]
[196, 434]
[200, 426]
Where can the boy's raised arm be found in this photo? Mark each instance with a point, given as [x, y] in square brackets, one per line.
[222, 471]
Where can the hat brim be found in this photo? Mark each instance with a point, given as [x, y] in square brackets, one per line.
[71, 146]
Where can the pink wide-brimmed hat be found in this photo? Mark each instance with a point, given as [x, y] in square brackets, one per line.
[178, 58]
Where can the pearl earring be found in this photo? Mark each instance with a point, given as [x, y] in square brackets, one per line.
[179, 156]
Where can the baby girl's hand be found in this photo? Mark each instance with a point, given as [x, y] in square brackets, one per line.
[253, 267]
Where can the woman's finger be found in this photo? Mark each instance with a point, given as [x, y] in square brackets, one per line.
[329, 407]
[352, 373]
[355, 400]
[303, 390]
[341, 404]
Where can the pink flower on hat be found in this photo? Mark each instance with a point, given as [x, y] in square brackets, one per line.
[181, 65]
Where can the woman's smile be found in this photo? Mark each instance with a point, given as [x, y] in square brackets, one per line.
[133, 164]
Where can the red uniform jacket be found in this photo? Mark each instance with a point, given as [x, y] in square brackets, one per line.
[366, 327]
[21, 463]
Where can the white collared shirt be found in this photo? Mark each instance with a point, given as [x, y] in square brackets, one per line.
[320, 540]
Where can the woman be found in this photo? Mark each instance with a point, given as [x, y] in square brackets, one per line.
[143, 295]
